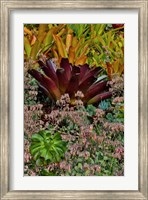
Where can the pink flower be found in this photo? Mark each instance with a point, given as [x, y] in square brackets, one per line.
[32, 173]
[118, 100]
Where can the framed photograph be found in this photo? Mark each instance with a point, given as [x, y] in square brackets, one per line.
[74, 99]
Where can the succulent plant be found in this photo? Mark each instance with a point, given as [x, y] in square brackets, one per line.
[104, 105]
[47, 148]
[70, 79]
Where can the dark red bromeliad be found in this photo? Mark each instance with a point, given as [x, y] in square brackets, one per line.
[70, 79]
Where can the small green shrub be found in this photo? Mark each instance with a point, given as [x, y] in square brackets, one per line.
[91, 110]
[117, 114]
[47, 147]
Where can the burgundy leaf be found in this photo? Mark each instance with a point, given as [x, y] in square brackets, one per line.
[67, 67]
[95, 89]
[52, 88]
[73, 85]
[99, 97]
[44, 68]
[62, 79]
[47, 83]
[52, 71]
[45, 91]
[75, 70]
[87, 83]
[50, 65]
[37, 75]
[83, 70]
[92, 72]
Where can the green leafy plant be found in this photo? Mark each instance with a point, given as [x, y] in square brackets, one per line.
[91, 110]
[80, 30]
[75, 42]
[107, 49]
[110, 117]
[71, 79]
[47, 147]
[117, 114]
[104, 105]
[74, 49]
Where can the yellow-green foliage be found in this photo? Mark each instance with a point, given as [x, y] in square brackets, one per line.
[95, 44]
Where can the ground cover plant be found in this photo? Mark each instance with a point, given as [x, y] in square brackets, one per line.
[74, 99]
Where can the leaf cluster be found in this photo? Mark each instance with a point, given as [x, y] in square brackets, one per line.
[47, 147]
[95, 44]
[71, 79]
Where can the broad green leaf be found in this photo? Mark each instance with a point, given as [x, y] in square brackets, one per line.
[35, 150]
[43, 152]
[37, 137]
[48, 39]
[48, 156]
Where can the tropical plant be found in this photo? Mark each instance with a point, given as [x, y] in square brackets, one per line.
[88, 43]
[80, 30]
[55, 41]
[74, 49]
[71, 79]
[38, 40]
[106, 48]
[75, 43]
[47, 147]
[80, 43]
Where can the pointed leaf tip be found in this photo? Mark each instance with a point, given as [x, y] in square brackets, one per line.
[100, 97]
